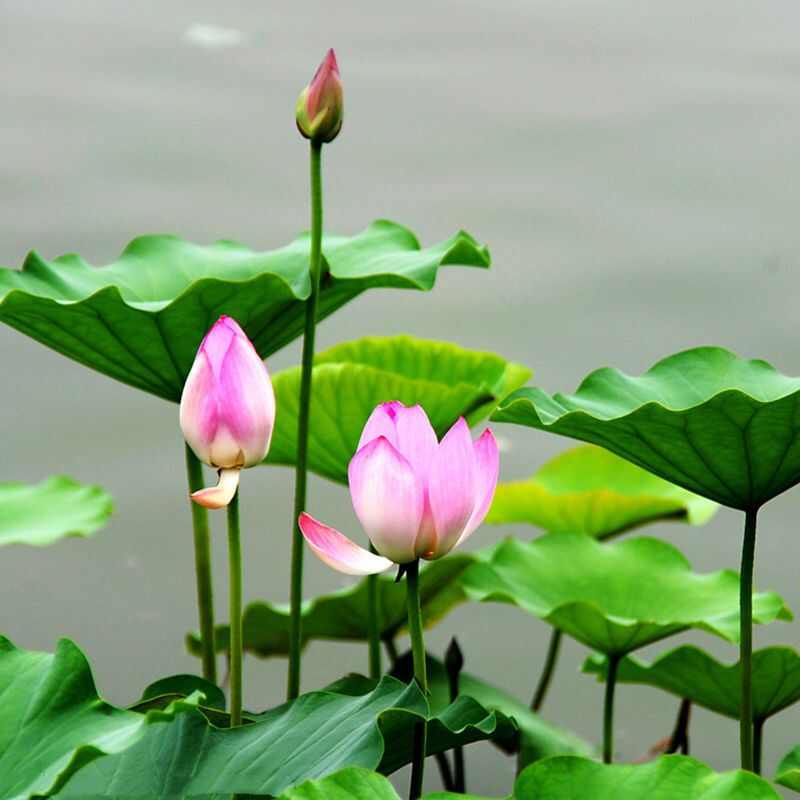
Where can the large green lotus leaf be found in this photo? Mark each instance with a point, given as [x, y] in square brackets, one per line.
[352, 378]
[344, 615]
[614, 597]
[789, 770]
[536, 737]
[589, 490]
[354, 783]
[313, 736]
[141, 318]
[51, 720]
[714, 423]
[668, 778]
[691, 673]
[58, 507]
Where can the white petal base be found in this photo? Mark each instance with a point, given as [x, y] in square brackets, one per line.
[219, 496]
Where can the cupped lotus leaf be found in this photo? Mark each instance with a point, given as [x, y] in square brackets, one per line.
[614, 597]
[354, 783]
[344, 615]
[141, 318]
[788, 774]
[352, 378]
[589, 490]
[51, 720]
[693, 674]
[311, 737]
[179, 687]
[705, 419]
[668, 778]
[535, 737]
[51, 510]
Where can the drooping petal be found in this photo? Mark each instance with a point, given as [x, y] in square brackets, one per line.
[337, 551]
[451, 488]
[198, 410]
[219, 496]
[387, 499]
[381, 422]
[487, 460]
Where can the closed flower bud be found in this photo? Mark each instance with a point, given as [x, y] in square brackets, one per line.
[227, 408]
[320, 106]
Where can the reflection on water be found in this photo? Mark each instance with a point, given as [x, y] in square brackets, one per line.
[633, 168]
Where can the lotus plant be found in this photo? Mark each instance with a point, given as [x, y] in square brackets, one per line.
[416, 498]
[318, 115]
[227, 416]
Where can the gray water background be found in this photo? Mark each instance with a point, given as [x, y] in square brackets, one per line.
[633, 167]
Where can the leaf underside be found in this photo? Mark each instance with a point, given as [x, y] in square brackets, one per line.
[140, 319]
[705, 419]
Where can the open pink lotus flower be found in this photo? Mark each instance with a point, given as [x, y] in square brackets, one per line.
[227, 408]
[414, 496]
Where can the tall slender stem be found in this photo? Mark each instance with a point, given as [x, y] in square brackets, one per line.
[680, 734]
[746, 639]
[301, 472]
[758, 739]
[547, 671]
[235, 589]
[420, 675]
[608, 709]
[202, 568]
[454, 663]
[374, 628]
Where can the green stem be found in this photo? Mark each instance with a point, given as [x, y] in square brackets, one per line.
[746, 639]
[758, 738]
[391, 651]
[680, 734]
[202, 568]
[235, 589]
[608, 710]
[547, 671]
[301, 472]
[374, 628]
[420, 675]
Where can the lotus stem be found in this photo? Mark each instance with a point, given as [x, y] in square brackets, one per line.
[547, 671]
[680, 734]
[608, 709]
[235, 589]
[301, 471]
[454, 663]
[746, 640]
[758, 739]
[202, 568]
[374, 628]
[420, 675]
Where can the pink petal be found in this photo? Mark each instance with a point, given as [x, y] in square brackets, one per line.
[451, 487]
[246, 400]
[217, 341]
[487, 459]
[218, 496]
[337, 551]
[381, 422]
[416, 439]
[198, 410]
[387, 498]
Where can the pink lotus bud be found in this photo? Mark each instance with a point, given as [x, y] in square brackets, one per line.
[320, 107]
[415, 497]
[227, 408]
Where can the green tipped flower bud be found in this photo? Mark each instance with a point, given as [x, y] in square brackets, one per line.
[320, 107]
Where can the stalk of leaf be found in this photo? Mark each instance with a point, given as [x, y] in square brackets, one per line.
[202, 562]
[301, 472]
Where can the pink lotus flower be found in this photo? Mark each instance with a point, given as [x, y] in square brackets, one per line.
[320, 107]
[227, 408]
[415, 497]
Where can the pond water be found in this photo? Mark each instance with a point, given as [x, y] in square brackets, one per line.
[633, 166]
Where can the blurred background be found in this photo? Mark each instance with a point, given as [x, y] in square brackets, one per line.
[633, 167]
